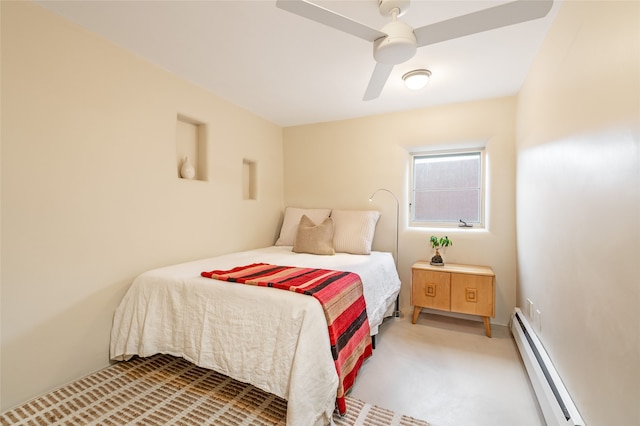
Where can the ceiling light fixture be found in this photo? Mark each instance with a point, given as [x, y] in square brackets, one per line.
[416, 79]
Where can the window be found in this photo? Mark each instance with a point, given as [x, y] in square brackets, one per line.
[447, 188]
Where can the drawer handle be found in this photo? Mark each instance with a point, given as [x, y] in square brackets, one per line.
[430, 290]
[471, 295]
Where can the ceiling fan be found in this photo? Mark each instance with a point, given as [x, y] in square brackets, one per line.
[397, 42]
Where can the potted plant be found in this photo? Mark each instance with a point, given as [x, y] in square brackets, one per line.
[438, 243]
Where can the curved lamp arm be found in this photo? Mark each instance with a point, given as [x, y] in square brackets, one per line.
[397, 312]
[397, 216]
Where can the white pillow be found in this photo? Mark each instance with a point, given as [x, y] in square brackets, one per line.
[292, 216]
[354, 230]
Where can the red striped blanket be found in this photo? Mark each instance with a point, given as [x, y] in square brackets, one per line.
[339, 293]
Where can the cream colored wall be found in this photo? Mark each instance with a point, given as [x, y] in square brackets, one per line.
[90, 193]
[340, 164]
[578, 209]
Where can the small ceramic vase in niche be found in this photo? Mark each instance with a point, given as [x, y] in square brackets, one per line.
[187, 171]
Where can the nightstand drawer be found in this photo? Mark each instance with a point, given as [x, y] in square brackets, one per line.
[472, 294]
[431, 289]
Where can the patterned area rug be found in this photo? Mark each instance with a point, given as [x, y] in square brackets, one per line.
[164, 390]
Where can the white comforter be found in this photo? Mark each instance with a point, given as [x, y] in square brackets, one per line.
[273, 339]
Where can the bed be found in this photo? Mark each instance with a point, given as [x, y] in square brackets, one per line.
[276, 340]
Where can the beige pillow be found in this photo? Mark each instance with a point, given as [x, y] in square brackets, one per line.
[292, 216]
[314, 239]
[354, 230]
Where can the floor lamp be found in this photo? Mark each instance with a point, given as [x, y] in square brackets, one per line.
[397, 310]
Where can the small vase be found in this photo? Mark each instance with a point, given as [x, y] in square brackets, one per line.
[187, 171]
[437, 260]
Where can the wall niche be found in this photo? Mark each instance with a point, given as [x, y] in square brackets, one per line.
[191, 146]
[249, 180]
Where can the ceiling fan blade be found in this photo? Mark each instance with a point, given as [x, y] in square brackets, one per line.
[483, 20]
[378, 79]
[330, 18]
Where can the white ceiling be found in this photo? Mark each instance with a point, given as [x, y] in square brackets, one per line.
[293, 71]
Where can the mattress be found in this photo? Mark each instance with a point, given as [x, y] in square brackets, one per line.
[276, 340]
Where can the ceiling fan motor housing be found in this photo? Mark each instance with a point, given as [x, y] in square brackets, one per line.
[398, 46]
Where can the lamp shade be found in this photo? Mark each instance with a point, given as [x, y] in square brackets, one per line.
[416, 79]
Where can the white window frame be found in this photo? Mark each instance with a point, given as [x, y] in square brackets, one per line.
[483, 189]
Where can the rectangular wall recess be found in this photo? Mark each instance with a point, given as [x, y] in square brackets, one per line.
[249, 180]
[191, 144]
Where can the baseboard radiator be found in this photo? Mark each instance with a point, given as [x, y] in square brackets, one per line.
[553, 398]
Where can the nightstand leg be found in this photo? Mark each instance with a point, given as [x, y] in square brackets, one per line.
[416, 312]
[487, 326]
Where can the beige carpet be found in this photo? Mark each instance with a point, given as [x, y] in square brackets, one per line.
[164, 390]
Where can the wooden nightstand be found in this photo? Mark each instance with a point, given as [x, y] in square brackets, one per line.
[467, 289]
